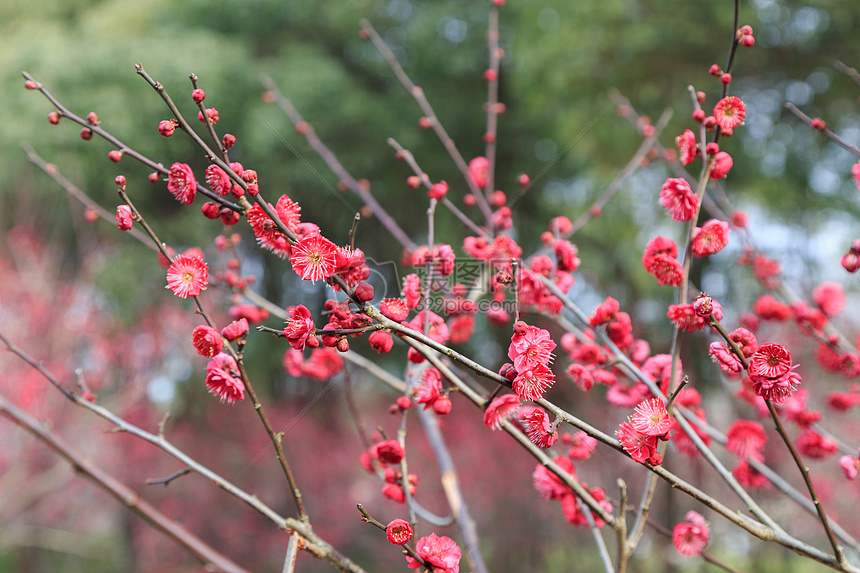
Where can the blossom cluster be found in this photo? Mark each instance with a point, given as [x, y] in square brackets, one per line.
[640, 434]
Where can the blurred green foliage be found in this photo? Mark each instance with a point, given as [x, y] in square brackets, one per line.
[561, 59]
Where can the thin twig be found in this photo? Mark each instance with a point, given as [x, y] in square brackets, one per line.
[122, 493]
[336, 167]
[418, 94]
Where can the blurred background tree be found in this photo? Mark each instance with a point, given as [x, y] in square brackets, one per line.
[561, 59]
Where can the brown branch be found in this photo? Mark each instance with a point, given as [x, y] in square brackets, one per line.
[126, 150]
[122, 493]
[418, 94]
[833, 137]
[336, 167]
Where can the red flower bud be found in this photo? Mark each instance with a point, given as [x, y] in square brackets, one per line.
[54, 118]
[818, 123]
[438, 190]
[442, 406]
[167, 127]
[229, 217]
[115, 155]
[92, 118]
[364, 292]
[211, 210]
[120, 181]
[86, 133]
[198, 95]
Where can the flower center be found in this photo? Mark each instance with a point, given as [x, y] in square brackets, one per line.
[187, 277]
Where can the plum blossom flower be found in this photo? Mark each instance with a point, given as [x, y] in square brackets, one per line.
[691, 536]
[218, 180]
[687, 146]
[300, 330]
[850, 465]
[381, 341]
[530, 347]
[532, 383]
[539, 429]
[581, 375]
[478, 170]
[502, 408]
[222, 378]
[730, 112]
[746, 439]
[710, 238]
[181, 182]
[722, 165]
[581, 445]
[749, 477]
[725, 359]
[187, 276]
[651, 418]
[429, 388]
[207, 341]
[641, 447]
[394, 309]
[412, 290]
[678, 198]
[398, 532]
[770, 361]
[438, 330]
[547, 484]
[389, 452]
[814, 445]
[124, 217]
[604, 312]
[441, 553]
[314, 258]
[235, 330]
[267, 233]
[829, 297]
[666, 270]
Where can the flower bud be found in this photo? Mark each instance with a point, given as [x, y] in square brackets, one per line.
[92, 118]
[124, 217]
[54, 118]
[211, 210]
[438, 190]
[115, 155]
[229, 217]
[228, 141]
[120, 181]
[167, 127]
[442, 406]
[198, 95]
[364, 292]
[86, 133]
